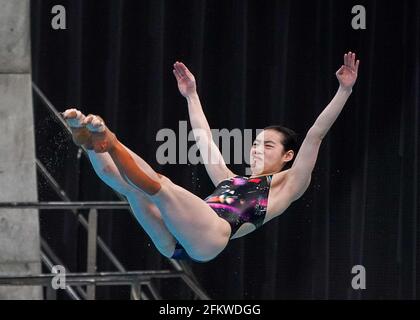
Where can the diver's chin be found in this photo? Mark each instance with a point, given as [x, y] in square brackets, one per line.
[257, 170]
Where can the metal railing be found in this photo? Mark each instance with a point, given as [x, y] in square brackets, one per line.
[91, 278]
[62, 194]
[51, 205]
[134, 279]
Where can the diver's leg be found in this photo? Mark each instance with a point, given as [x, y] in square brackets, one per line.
[192, 221]
[145, 211]
[139, 175]
[198, 228]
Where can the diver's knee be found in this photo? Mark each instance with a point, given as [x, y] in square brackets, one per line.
[161, 186]
[108, 170]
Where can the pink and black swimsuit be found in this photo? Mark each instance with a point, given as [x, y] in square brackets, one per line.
[237, 200]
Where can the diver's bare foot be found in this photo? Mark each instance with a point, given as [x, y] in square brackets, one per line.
[81, 135]
[103, 139]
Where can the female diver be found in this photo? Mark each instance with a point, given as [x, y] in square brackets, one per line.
[180, 224]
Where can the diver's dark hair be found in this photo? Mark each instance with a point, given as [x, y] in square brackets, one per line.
[289, 141]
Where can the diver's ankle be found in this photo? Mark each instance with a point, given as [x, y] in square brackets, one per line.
[81, 136]
[114, 144]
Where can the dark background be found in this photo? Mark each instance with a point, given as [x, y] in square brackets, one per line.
[256, 63]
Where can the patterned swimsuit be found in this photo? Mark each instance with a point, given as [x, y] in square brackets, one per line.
[237, 200]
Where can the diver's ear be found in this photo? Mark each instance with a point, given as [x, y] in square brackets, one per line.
[289, 155]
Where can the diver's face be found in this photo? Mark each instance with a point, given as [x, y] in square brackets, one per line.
[266, 154]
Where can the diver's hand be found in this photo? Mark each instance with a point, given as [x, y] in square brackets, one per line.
[185, 79]
[347, 74]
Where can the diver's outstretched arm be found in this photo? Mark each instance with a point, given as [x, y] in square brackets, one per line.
[346, 76]
[300, 173]
[213, 160]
